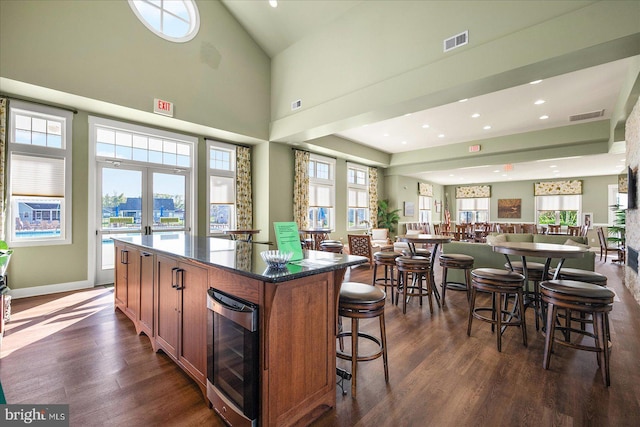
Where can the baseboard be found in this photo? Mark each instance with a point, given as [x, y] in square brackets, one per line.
[49, 289]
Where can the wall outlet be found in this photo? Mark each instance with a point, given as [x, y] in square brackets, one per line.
[593, 240]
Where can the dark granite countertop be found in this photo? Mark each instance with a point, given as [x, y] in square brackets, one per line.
[240, 257]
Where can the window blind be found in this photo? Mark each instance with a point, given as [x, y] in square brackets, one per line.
[37, 176]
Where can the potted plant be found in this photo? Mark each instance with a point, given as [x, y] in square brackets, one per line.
[387, 218]
[616, 231]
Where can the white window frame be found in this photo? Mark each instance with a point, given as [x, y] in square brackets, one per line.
[36, 151]
[424, 209]
[475, 210]
[328, 183]
[615, 198]
[359, 189]
[223, 173]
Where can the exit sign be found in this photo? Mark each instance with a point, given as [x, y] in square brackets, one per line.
[474, 148]
[163, 107]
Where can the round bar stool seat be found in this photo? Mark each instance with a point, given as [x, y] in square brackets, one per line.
[418, 268]
[386, 259]
[335, 246]
[460, 262]
[419, 252]
[501, 284]
[361, 301]
[581, 276]
[535, 273]
[581, 297]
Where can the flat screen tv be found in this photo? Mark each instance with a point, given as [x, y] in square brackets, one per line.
[632, 195]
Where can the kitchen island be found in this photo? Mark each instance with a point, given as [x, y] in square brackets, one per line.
[161, 285]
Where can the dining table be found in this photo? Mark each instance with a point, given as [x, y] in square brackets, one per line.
[549, 251]
[247, 233]
[317, 235]
[436, 240]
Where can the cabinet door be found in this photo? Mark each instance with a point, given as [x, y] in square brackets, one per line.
[132, 306]
[167, 305]
[146, 293]
[120, 279]
[193, 328]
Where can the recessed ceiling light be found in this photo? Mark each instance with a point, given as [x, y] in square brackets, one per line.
[441, 135]
[475, 115]
[553, 166]
[535, 82]
[404, 142]
[504, 174]
[619, 166]
[408, 114]
[451, 174]
[273, 3]
[497, 170]
[464, 100]
[544, 117]
[425, 126]
[540, 102]
[386, 134]
[487, 127]
[623, 160]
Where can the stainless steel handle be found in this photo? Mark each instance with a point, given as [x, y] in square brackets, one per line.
[245, 317]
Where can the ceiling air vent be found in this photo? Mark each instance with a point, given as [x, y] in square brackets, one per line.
[586, 116]
[456, 41]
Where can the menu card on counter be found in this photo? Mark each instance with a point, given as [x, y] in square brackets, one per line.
[288, 239]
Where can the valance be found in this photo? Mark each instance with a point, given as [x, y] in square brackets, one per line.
[425, 189]
[557, 188]
[473, 192]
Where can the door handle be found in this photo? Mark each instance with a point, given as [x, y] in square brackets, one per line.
[124, 257]
[174, 277]
[180, 286]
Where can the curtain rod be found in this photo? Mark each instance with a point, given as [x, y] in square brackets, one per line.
[62, 107]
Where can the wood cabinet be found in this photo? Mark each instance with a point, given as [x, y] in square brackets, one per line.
[181, 321]
[134, 288]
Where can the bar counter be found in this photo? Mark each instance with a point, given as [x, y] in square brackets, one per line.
[161, 284]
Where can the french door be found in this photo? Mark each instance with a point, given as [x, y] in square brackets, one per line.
[136, 200]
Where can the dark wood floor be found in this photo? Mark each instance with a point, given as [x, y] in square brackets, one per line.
[74, 348]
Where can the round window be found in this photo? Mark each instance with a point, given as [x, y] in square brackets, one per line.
[174, 20]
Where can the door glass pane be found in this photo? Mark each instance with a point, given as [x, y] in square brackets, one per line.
[168, 201]
[121, 199]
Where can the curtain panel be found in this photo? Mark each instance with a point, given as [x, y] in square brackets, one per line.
[301, 189]
[373, 197]
[474, 191]
[4, 103]
[425, 189]
[244, 203]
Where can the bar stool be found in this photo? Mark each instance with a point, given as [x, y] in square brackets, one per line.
[335, 246]
[580, 275]
[587, 276]
[458, 262]
[583, 298]
[535, 274]
[361, 301]
[501, 284]
[388, 260]
[419, 267]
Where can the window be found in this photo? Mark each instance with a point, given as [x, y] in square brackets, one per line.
[473, 210]
[424, 208]
[358, 197]
[615, 198]
[222, 186]
[39, 163]
[173, 20]
[563, 210]
[321, 191]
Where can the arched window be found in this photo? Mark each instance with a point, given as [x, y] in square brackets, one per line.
[174, 20]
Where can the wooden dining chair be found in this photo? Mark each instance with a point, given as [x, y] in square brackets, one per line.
[606, 248]
[574, 230]
[360, 244]
[553, 229]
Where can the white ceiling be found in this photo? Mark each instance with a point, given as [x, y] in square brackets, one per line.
[508, 112]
